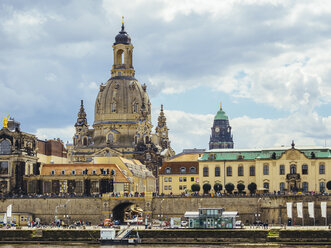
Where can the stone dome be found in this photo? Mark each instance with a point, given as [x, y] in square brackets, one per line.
[121, 100]
[123, 37]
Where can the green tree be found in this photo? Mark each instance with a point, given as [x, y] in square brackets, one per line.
[218, 187]
[240, 187]
[229, 187]
[328, 185]
[195, 187]
[206, 188]
[252, 188]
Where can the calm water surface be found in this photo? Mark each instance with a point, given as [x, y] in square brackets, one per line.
[164, 246]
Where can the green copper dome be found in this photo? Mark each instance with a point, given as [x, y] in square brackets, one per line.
[221, 115]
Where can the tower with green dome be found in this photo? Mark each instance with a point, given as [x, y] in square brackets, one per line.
[221, 137]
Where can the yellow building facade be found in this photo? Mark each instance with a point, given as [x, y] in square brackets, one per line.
[304, 169]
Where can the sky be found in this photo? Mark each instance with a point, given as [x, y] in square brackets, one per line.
[267, 61]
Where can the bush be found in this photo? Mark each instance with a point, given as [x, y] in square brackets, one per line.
[195, 187]
[240, 187]
[218, 187]
[252, 188]
[229, 187]
[206, 188]
[328, 185]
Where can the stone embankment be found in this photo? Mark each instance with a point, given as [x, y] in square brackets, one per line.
[174, 236]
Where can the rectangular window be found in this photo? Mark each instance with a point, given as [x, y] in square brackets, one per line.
[170, 179]
[94, 172]
[265, 169]
[63, 172]
[322, 169]
[180, 179]
[217, 171]
[166, 179]
[282, 169]
[184, 179]
[282, 187]
[322, 187]
[252, 171]
[240, 171]
[192, 179]
[229, 171]
[165, 187]
[184, 187]
[205, 172]
[84, 172]
[73, 172]
[4, 167]
[170, 188]
[180, 187]
[53, 172]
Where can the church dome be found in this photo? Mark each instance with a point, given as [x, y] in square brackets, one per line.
[121, 100]
[123, 37]
[221, 115]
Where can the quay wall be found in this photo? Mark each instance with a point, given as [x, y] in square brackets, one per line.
[271, 209]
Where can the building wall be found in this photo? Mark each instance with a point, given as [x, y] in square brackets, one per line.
[273, 178]
[179, 183]
[271, 209]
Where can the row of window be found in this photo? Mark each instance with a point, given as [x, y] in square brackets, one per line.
[293, 170]
[266, 186]
[180, 187]
[180, 179]
[84, 172]
[182, 170]
[134, 107]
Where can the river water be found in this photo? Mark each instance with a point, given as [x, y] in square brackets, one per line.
[260, 245]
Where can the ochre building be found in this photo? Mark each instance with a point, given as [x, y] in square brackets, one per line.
[284, 169]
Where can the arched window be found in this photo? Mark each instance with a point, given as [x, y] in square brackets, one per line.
[5, 147]
[322, 187]
[293, 169]
[240, 171]
[217, 171]
[252, 171]
[85, 141]
[135, 107]
[282, 187]
[113, 107]
[266, 169]
[282, 169]
[266, 186]
[168, 170]
[205, 172]
[305, 186]
[322, 169]
[182, 170]
[229, 171]
[193, 170]
[110, 138]
[304, 169]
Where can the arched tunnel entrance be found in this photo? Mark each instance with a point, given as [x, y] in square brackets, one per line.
[126, 211]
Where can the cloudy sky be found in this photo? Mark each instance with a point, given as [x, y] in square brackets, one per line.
[268, 61]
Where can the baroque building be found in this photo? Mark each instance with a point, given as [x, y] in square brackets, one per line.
[281, 169]
[122, 117]
[221, 136]
[18, 157]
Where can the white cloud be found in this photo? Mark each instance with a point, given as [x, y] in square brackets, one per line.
[64, 133]
[193, 131]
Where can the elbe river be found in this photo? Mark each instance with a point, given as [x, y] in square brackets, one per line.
[260, 245]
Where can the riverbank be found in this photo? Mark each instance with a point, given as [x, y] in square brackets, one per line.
[174, 236]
